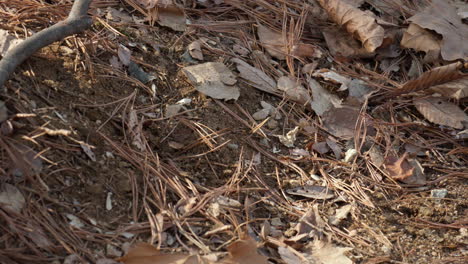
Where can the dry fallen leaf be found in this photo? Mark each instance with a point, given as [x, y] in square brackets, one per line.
[213, 79]
[147, 254]
[312, 191]
[194, 50]
[255, 77]
[341, 122]
[244, 251]
[333, 77]
[293, 90]
[342, 44]
[398, 169]
[321, 252]
[448, 80]
[419, 39]
[134, 128]
[172, 16]
[11, 198]
[441, 17]
[358, 23]
[442, 112]
[322, 99]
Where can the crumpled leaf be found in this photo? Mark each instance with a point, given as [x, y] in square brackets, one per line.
[255, 77]
[398, 169]
[290, 137]
[442, 17]
[358, 23]
[213, 79]
[442, 112]
[321, 252]
[333, 77]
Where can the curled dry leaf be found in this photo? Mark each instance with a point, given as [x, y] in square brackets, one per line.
[358, 23]
[441, 17]
[255, 77]
[398, 169]
[442, 112]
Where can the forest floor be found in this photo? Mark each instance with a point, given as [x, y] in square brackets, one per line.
[99, 153]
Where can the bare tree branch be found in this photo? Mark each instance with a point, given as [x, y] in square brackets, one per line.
[76, 22]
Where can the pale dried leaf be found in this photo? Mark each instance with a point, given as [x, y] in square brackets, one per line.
[290, 138]
[255, 77]
[213, 79]
[333, 77]
[358, 23]
[442, 17]
[321, 252]
[195, 51]
[117, 16]
[322, 99]
[456, 89]
[293, 90]
[312, 191]
[442, 112]
[419, 39]
[340, 214]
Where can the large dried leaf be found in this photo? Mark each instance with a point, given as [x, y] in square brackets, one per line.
[321, 252]
[358, 23]
[448, 76]
[442, 112]
[244, 251]
[442, 17]
[341, 122]
[419, 39]
[213, 79]
[322, 99]
[172, 16]
[255, 77]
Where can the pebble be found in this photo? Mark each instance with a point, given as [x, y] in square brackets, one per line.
[439, 193]
[272, 124]
[262, 114]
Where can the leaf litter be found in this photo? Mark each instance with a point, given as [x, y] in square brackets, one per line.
[189, 183]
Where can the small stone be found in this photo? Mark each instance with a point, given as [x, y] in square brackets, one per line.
[439, 193]
[3, 111]
[272, 124]
[262, 114]
[233, 146]
[172, 110]
[266, 105]
[276, 222]
[113, 251]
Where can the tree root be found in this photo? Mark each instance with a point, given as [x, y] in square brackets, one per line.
[76, 22]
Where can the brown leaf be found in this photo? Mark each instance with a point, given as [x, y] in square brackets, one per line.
[447, 80]
[442, 17]
[273, 42]
[195, 51]
[244, 251]
[341, 122]
[293, 90]
[438, 110]
[358, 23]
[419, 39]
[399, 169]
[172, 16]
[342, 44]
